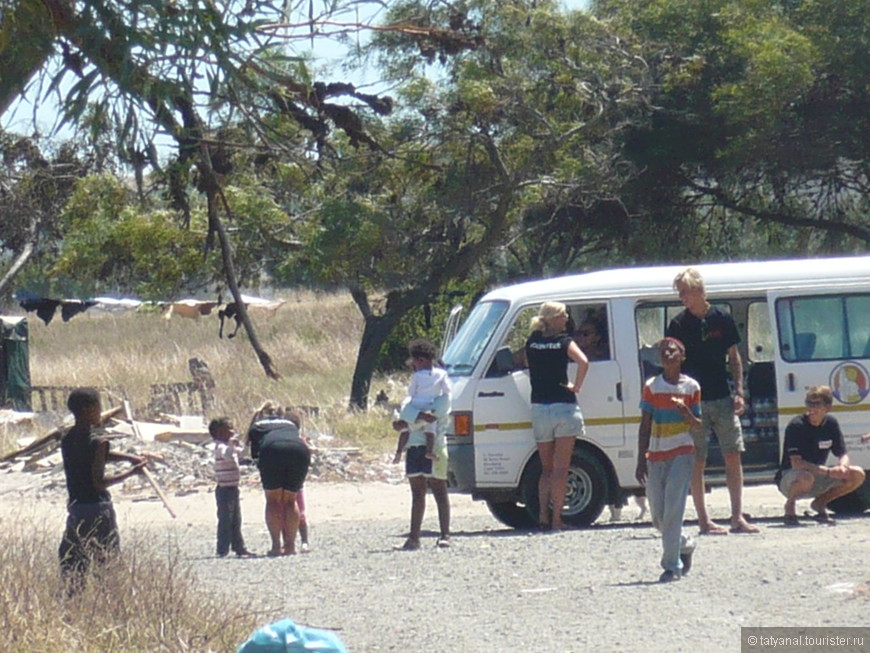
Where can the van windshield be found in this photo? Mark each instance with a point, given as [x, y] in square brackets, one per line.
[467, 347]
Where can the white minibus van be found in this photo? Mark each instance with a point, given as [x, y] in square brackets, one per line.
[802, 323]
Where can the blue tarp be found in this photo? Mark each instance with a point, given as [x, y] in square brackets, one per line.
[285, 636]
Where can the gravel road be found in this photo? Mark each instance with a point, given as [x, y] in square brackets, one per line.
[498, 590]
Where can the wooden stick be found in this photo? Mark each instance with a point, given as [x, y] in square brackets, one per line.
[128, 412]
[150, 478]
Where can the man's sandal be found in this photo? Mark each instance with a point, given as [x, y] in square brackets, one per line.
[791, 521]
[821, 517]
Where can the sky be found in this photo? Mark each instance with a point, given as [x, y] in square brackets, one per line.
[19, 117]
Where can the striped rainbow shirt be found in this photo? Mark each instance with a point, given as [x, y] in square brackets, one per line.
[670, 435]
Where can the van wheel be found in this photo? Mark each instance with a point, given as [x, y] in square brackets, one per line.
[587, 488]
[853, 503]
[511, 513]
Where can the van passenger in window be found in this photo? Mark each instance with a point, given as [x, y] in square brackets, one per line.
[591, 336]
[556, 417]
[709, 335]
[803, 473]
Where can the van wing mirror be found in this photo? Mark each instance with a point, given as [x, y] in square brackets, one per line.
[503, 364]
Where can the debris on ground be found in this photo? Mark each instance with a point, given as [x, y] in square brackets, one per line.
[182, 459]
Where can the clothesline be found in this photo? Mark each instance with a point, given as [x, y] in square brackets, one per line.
[46, 307]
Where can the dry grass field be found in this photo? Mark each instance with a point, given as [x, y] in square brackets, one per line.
[147, 600]
[312, 338]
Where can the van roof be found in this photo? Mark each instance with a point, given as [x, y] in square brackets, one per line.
[721, 279]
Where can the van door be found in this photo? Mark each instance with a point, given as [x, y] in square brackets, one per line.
[824, 339]
[601, 398]
[503, 436]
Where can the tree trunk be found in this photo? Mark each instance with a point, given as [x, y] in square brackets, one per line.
[375, 333]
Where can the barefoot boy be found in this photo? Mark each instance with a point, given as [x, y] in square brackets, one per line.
[671, 409]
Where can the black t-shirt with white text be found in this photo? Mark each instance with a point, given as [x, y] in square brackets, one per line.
[707, 340]
[811, 443]
[547, 357]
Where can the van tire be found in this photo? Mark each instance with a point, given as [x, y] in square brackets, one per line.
[587, 488]
[853, 503]
[511, 513]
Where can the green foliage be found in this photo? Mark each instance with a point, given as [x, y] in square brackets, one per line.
[109, 242]
[428, 322]
[759, 120]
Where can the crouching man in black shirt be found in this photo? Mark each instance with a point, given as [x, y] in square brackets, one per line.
[803, 472]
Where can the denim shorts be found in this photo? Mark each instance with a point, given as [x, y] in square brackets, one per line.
[551, 421]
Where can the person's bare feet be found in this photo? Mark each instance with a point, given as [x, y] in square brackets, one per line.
[712, 528]
[742, 526]
[409, 545]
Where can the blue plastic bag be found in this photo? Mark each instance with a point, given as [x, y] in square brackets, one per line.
[286, 637]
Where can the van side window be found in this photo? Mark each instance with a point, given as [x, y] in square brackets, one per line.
[828, 327]
[652, 321]
[759, 336]
[516, 336]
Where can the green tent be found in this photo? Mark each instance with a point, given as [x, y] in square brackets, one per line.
[14, 364]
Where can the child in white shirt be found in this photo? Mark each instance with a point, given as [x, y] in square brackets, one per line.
[427, 383]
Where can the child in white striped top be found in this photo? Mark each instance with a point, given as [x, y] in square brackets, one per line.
[226, 470]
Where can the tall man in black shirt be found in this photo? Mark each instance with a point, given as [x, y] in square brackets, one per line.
[709, 335]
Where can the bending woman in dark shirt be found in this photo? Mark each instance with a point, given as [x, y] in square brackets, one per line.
[283, 459]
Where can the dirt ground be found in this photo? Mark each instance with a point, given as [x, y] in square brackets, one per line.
[23, 494]
[497, 590]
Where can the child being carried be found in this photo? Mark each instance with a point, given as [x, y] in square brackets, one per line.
[427, 384]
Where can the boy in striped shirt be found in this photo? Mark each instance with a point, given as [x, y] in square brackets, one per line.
[670, 411]
[226, 470]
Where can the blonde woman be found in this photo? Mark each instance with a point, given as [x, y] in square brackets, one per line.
[556, 417]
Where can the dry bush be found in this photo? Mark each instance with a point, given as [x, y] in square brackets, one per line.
[142, 601]
[313, 340]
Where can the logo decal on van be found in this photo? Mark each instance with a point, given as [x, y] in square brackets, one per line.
[850, 383]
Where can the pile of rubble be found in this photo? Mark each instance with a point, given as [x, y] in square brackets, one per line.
[182, 460]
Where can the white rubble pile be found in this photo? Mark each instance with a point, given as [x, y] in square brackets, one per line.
[182, 467]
